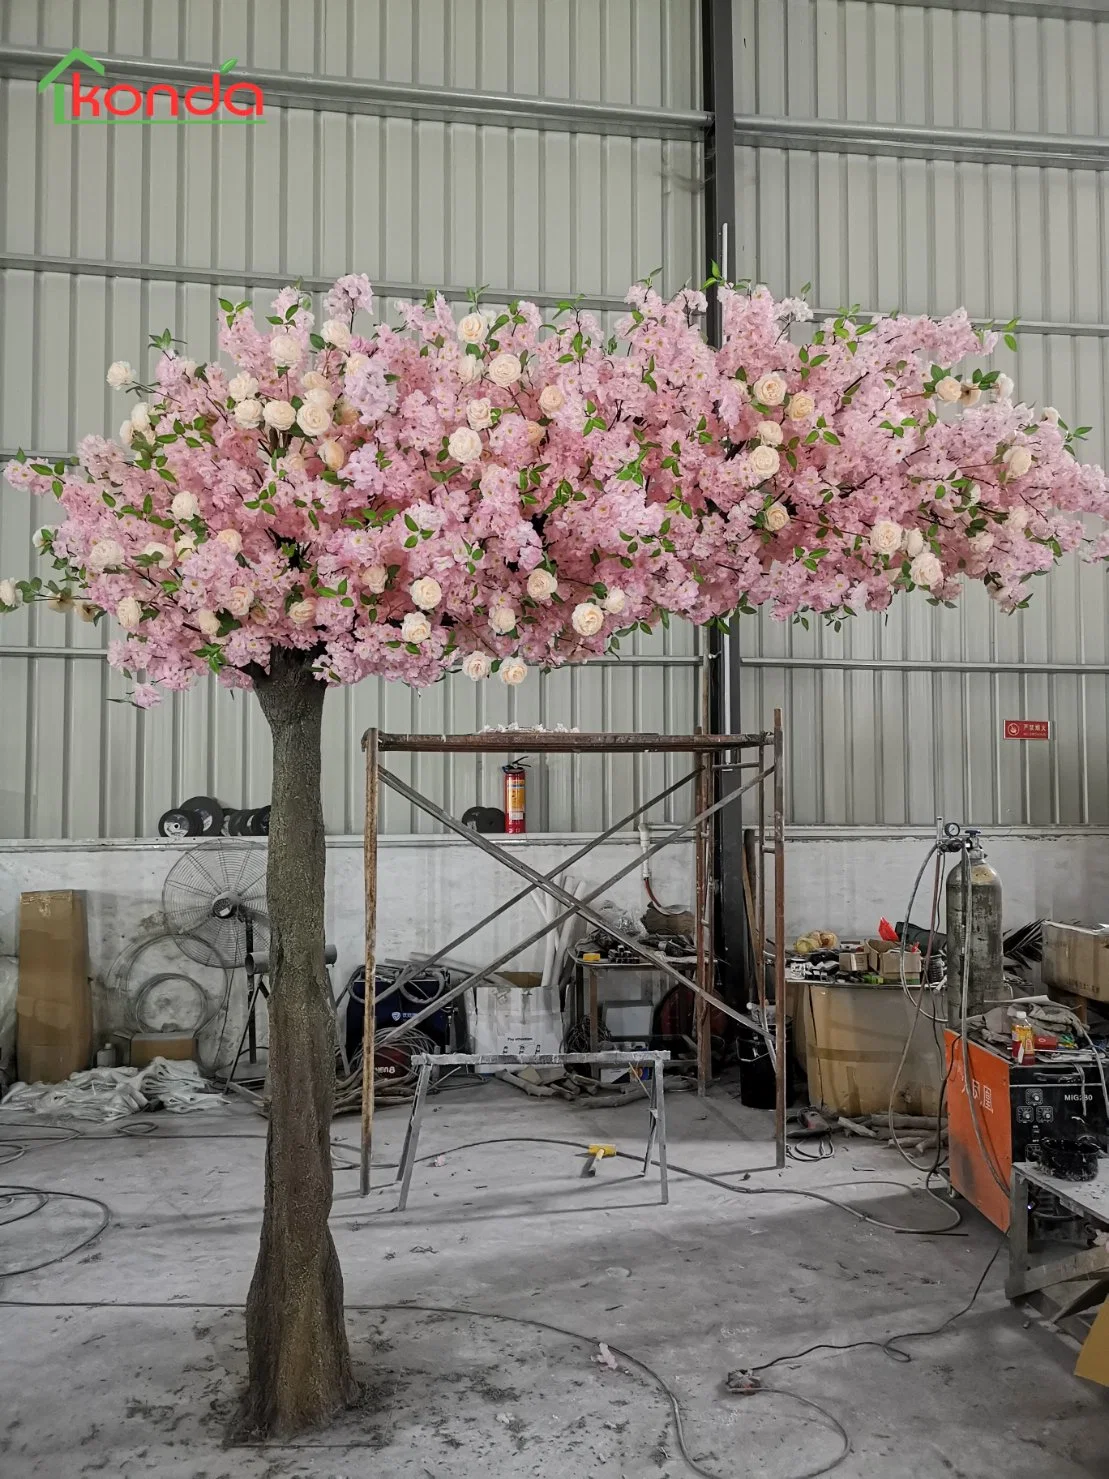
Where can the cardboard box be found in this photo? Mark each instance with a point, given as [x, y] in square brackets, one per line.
[54, 1003]
[854, 1038]
[1077, 959]
[141, 1048]
[885, 960]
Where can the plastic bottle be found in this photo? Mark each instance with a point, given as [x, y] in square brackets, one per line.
[1024, 1039]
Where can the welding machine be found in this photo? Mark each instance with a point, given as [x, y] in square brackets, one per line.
[394, 1007]
[1015, 1104]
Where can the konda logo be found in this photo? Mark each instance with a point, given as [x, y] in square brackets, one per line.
[81, 99]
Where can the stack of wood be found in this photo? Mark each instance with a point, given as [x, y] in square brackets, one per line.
[915, 1133]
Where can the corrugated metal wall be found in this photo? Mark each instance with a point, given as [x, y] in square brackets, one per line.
[111, 233]
[996, 218]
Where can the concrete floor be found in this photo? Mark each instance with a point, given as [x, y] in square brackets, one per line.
[712, 1282]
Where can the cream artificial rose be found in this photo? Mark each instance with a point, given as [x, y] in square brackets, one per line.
[302, 613]
[926, 570]
[375, 578]
[536, 432]
[971, 394]
[41, 538]
[230, 539]
[1018, 461]
[801, 406]
[312, 418]
[285, 350]
[513, 671]
[160, 553]
[129, 613]
[914, 543]
[120, 375]
[588, 618]
[982, 543]
[248, 413]
[279, 414]
[184, 506]
[472, 329]
[336, 332]
[208, 622]
[505, 370]
[551, 399]
[62, 603]
[1003, 387]
[1050, 415]
[293, 462]
[415, 627]
[184, 546]
[765, 462]
[776, 518]
[10, 595]
[475, 665]
[87, 611]
[502, 618]
[188, 368]
[1017, 517]
[242, 387]
[313, 380]
[464, 445]
[105, 553]
[949, 389]
[615, 601]
[240, 600]
[140, 416]
[332, 454]
[126, 433]
[355, 362]
[470, 369]
[479, 413]
[770, 390]
[426, 593]
[769, 433]
[542, 585]
[885, 537]
[345, 414]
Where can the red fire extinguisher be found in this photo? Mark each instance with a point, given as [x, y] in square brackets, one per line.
[515, 795]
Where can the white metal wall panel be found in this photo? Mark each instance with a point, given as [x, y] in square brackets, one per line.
[188, 214]
[891, 745]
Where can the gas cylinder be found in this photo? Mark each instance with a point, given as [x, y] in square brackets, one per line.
[983, 943]
[515, 796]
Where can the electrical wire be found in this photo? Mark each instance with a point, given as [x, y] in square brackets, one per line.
[964, 1043]
[45, 1197]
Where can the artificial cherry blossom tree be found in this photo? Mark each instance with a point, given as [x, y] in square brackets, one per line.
[489, 496]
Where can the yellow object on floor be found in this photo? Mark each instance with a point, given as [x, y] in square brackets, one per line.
[1093, 1358]
[594, 1155]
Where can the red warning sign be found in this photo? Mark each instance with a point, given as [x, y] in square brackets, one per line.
[1028, 729]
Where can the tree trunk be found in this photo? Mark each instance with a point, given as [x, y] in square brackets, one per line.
[299, 1361]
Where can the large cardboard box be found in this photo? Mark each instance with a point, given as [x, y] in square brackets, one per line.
[53, 1004]
[854, 1036]
[1077, 959]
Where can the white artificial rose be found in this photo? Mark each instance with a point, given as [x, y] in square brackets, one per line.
[535, 432]
[184, 507]
[120, 375]
[285, 349]
[242, 387]
[42, 538]
[1017, 517]
[588, 618]
[470, 369]
[464, 445]
[973, 493]
[279, 414]
[776, 518]
[479, 413]
[126, 433]
[140, 416]
[375, 578]
[502, 618]
[1003, 387]
[1018, 461]
[302, 613]
[926, 569]
[770, 389]
[312, 419]
[472, 329]
[355, 362]
[885, 537]
[129, 613]
[345, 413]
[769, 433]
[551, 399]
[475, 665]
[240, 600]
[105, 553]
[336, 332]
[765, 462]
[615, 601]
[949, 389]
[801, 406]
[313, 380]
[426, 593]
[542, 585]
[230, 539]
[513, 671]
[208, 622]
[319, 395]
[184, 546]
[982, 543]
[10, 595]
[1050, 415]
[292, 462]
[332, 454]
[188, 367]
[971, 394]
[415, 627]
[160, 553]
[505, 370]
[914, 543]
[248, 413]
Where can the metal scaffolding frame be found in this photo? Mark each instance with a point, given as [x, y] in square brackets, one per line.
[715, 756]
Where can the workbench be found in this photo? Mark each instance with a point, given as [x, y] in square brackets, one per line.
[1042, 1278]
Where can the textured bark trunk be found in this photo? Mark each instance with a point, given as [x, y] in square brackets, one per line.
[299, 1361]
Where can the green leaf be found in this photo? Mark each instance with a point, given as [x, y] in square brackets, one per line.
[1010, 341]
